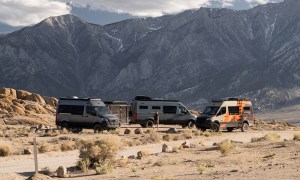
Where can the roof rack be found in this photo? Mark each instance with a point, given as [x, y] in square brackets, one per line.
[75, 98]
[231, 99]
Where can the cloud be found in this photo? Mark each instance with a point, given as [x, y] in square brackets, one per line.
[28, 12]
[151, 8]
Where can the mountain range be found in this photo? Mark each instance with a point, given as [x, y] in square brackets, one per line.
[194, 56]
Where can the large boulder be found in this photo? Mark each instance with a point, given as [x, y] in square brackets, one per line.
[50, 101]
[18, 110]
[21, 94]
[18, 104]
[35, 98]
[138, 131]
[35, 109]
[5, 102]
[9, 92]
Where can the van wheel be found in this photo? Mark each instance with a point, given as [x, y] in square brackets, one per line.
[97, 128]
[191, 124]
[149, 124]
[215, 127]
[230, 129]
[64, 126]
[245, 127]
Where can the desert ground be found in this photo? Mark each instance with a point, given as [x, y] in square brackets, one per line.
[269, 150]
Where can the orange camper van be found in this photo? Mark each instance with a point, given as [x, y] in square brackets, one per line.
[230, 114]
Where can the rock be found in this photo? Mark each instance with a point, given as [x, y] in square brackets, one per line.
[3, 111]
[50, 101]
[35, 108]
[172, 131]
[141, 154]
[138, 131]
[186, 144]
[1, 121]
[131, 157]
[9, 92]
[35, 98]
[18, 110]
[166, 148]
[127, 131]
[40, 127]
[5, 103]
[27, 151]
[18, 105]
[61, 172]
[21, 94]
[193, 145]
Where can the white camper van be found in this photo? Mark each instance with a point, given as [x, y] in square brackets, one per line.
[230, 114]
[171, 112]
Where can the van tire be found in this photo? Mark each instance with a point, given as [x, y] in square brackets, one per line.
[149, 124]
[97, 128]
[230, 129]
[191, 124]
[64, 126]
[245, 127]
[215, 127]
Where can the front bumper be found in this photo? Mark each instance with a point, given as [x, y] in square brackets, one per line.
[203, 123]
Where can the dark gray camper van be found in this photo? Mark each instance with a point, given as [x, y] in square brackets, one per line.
[78, 113]
[171, 112]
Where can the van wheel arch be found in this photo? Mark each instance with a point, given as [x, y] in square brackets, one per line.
[191, 124]
[64, 125]
[97, 127]
[149, 123]
[245, 126]
[215, 127]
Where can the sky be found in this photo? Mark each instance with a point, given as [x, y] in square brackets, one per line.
[15, 14]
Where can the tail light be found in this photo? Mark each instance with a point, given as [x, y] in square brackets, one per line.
[135, 116]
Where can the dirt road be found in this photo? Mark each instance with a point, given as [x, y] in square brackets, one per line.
[25, 164]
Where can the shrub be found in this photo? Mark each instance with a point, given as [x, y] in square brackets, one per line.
[178, 137]
[84, 164]
[296, 136]
[226, 147]
[196, 132]
[207, 134]
[67, 146]
[44, 147]
[102, 152]
[188, 134]
[201, 168]
[152, 137]
[268, 137]
[167, 137]
[104, 167]
[5, 150]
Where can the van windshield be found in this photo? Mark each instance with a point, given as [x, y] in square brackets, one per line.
[211, 110]
[101, 110]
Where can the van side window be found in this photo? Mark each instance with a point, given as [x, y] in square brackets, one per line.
[169, 109]
[155, 107]
[234, 110]
[143, 107]
[247, 108]
[222, 111]
[72, 109]
[90, 110]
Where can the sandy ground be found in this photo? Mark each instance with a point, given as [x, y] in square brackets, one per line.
[246, 162]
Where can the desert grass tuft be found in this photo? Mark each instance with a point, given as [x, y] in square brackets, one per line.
[226, 147]
[296, 136]
[5, 150]
[268, 137]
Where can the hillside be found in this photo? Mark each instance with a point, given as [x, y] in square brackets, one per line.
[193, 56]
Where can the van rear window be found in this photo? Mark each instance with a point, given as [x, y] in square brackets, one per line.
[247, 108]
[72, 109]
[143, 107]
[234, 110]
[170, 109]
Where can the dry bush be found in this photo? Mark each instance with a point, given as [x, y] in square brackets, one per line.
[44, 147]
[123, 161]
[67, 146]
[84, 164]
[296, 136]
[201, 168]
[197, 132]
[104, 167]
[173, 160]
[187, 133]
[5, 150]
[206, 134]
[158, 163]
[167, 137]
[148, 131]
[226, 147]
[152, 137]
[101, 153]
[268, 137]
[178, 137]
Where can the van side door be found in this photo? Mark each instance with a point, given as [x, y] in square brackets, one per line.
[90, 116]
[75, 114]
[169, 115]
[222, 116]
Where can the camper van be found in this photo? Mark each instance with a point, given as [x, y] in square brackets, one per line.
[230, 114]
[78, 113]
[171, 112]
